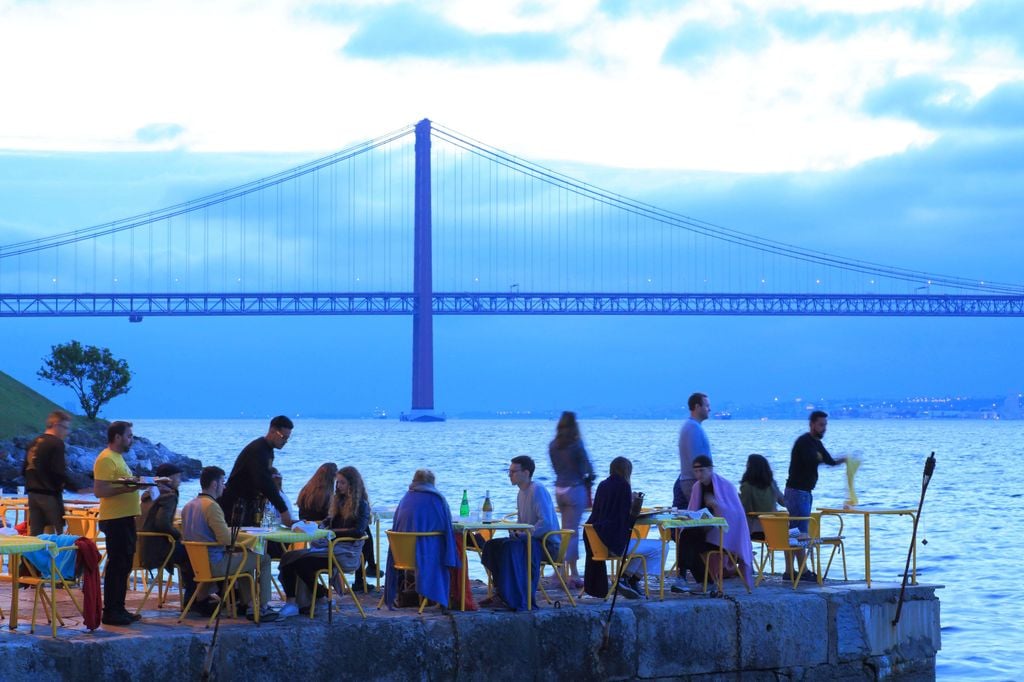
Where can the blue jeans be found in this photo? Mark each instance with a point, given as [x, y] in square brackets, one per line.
[798, 503]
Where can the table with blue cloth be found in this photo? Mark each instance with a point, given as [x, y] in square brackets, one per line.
[16, 546]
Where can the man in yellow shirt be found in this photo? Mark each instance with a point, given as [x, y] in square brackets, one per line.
[119, 505]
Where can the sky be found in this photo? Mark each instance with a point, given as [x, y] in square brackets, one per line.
[883, 130]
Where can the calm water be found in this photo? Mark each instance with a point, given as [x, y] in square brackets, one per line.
[979, 465]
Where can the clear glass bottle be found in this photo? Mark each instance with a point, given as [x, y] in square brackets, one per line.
[487, 511]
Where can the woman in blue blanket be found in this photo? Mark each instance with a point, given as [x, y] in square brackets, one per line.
[425, 509]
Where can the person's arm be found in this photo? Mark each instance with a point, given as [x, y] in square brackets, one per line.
[779, 497]
[104, 485]
[214, 516]
[163, 519]
[58, 468]
[827, 458]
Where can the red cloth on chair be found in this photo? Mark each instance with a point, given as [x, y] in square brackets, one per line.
[456, 580]
[88, 563]
[22, 528]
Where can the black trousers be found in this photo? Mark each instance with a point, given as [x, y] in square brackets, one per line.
[120, 535]
[691, 544]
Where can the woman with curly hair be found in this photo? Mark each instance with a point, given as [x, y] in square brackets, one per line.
[759, 492]
[350, 515]
[314, 499]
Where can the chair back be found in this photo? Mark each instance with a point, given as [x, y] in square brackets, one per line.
[814, 528]
[138, 562]
[776, 531]
[83, 523]
[563, 547]
[403, 547]
[597, 548]
[641, 530]
[199, 557]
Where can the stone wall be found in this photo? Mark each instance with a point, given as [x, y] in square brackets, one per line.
[840, 633]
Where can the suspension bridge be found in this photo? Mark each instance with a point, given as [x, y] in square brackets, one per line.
[427, 221]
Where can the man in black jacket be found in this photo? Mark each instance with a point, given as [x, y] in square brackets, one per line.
[251, 484]
[46, 475]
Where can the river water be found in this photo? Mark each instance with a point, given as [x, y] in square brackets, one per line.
[967, 542]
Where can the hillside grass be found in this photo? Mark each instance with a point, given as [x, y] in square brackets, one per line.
[22, 410]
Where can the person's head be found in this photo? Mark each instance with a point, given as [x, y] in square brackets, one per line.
[520, 470]
[211, 480]
[58, 423]
[119, 436]
[278, 478]
[423, 477]
[568, 429]
[350, 492]
[280, 431]
[317, 492]
[758, 473]
[818, 423]
[171, 472]
[621, 466]
[700, 406]
[703, 468]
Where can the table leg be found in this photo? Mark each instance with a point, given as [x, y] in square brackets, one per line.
[867, 549]
[14, 560]
[661, 574]
[463, 571]
[529, 571]
[376, 556]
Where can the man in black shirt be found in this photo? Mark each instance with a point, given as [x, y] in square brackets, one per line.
[251, 483]
[46, 475]
[808, 452]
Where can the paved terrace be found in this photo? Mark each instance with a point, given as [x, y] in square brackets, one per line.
[841, 631]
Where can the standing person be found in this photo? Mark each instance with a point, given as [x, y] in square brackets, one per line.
[692, 442]
[251, 484]
[574, 474]
[505, 558]
[202, 520]
[119, 505]
[46, 475]
[808, 452]
[759, 493]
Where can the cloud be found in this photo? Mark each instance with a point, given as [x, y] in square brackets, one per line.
[158, 132]
[404, 31]
[988, 19]
[698, 44]
[943, 104]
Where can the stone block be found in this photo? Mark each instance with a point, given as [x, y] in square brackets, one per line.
[780, 629]
[685, 637]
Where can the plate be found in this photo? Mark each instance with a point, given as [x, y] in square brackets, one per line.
[254, 530]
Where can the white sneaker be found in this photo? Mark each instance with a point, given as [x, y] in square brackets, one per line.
[288, 610]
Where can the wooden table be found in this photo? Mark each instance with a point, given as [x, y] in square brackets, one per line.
[867, 513]
[465, 527]
[666, 521]
[14, 546]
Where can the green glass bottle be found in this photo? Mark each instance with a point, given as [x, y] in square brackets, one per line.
[464, 507]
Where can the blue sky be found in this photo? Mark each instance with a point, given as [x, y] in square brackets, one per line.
[885, 130]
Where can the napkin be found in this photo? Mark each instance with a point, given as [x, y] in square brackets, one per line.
[307, 527]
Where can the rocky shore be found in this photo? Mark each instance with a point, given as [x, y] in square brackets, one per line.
[84, 443]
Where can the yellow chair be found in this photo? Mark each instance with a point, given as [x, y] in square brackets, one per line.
[777, 539]
[834, 541]
[334, 569]
[199, 557]
[762, 545]
[403, 554]
[85, 523]
[555, 563]
[599, 552]
[31, 577]
[161, 593]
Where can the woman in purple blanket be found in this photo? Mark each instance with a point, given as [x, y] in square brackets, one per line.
[424, 509]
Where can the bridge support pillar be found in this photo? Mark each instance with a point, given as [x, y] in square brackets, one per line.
[423, 288]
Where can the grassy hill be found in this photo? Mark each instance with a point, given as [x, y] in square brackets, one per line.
[22, 410]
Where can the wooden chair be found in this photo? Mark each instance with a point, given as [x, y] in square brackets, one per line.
[599, 552]
[334, 570]
[403, 554]
[555, 562]
[162, 591]
[199, 557]
[778, 539]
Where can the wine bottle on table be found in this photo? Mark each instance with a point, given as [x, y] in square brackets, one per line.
[464, 507]
[487, 511]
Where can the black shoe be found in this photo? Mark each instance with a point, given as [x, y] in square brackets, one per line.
[267, 616]
[136, 617]
[118, 619]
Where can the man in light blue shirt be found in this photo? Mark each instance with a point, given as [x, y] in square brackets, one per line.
[692, 442]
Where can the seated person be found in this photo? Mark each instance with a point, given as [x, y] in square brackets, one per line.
[505, 558]
[202, 520]
[612, 516]
[720, 497]
[158, 517]
[349, 516]
[424, 509]
[759, 493]
[314, 499]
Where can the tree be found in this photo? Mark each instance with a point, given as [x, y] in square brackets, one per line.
[96, 376]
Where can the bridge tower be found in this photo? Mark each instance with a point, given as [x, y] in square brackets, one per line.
[423, 289]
